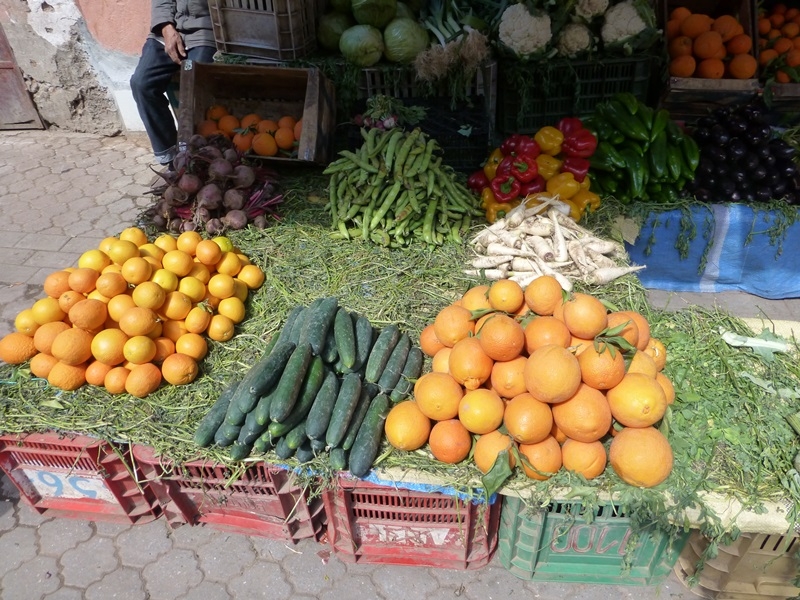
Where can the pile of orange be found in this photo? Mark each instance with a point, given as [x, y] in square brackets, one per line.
[134, 312]
[710, 48]
[779, 40]
[252, 133]
[543, 375]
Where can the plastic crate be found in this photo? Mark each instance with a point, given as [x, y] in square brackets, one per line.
[374, 524]
[77, 477]
[264, 500]
[755, 567]
[265, 30]
[557, 544]
[559, 88]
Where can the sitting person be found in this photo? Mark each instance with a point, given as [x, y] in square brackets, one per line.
[179, 30]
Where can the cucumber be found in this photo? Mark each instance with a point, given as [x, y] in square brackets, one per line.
[261, 411]
[204, 434]
[302, 332]
[330, 354]
[338, 459]
[318, 446]
[411, 372]
[368, 392]
[282, 450]
[261, 377]
[227, 434]
[320, 321]
[364, 338]
[344, 334]
[308, 393]
[381, 350]
[305, 453]
[291, 318]
[291, 381]
[320, 414]
[296, 436]
[263, 443]
[394, 366]
[368, 440]
[240, 451]
[298, 324]
[346, 402]
[251, 430]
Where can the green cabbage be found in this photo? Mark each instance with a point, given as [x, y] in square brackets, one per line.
[331, 27]
[404, 38]
[362, 45]
[403, 10]
[377, 13]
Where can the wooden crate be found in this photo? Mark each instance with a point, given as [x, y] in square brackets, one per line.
[269, 91]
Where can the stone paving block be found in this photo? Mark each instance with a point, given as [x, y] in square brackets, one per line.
[121, 584]
[209, 590]
[16, 273]
[43, 242]
[56, 260]
[33, 579]
[354, 586]
[172, 576]
[410, 583]
[28, 516]
[308, 572]
[142, 544]
[191, 537]
[8, 518]
[88, 562]
[266, 580]
[65, 593]
[225, 557]
[10, 238]
[59, 535]
[110, 529]
[16, 547]
[82, 243]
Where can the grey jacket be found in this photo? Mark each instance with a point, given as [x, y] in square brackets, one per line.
[190, 17]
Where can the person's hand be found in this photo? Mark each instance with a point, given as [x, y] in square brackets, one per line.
[173, 43]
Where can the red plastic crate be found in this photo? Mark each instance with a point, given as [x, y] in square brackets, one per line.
[264, 501]
[369, 523]
[76, 476]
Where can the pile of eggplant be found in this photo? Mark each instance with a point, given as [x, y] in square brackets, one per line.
[743, 159]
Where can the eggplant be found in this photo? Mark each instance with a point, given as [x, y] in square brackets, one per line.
[721, 114]
[748, 196]
[706, 166]
[737, 175]
[736, 149]
[736, 125]
[735, 196]
[753, 114]
[758, 173]
[786, 167]
[763, 194]
[781, 148]
[758, 133]
[726, 186]
[717, 154]
[749, 161]
[779, 189]
[720, 135]
[772, 177]
[702, 195]
[702, 135]
[746, 186]
[707, 121]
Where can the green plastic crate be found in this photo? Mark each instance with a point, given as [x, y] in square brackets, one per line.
[557, 544]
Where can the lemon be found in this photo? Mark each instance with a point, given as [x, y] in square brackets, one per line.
[224, 243]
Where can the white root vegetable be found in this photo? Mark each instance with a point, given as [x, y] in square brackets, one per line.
[609, 274]
[524, 279]
[536, 226]
[559, 243]
[491, 261]
[603, 246]
[579, 257]
[541, 247]
[490, 274]
[523, 263]
[501, 249]
[565, 283]
[516, 215]
[600, 260]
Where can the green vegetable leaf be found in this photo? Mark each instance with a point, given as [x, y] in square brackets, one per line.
[765, 345]
[52, 404]
[497, 475]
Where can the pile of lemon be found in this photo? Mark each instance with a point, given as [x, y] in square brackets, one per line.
[134, 313]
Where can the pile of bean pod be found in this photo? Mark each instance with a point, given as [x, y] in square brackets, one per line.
[394, 191]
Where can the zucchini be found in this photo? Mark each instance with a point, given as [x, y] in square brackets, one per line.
[296, 436]
[252, 429]
[282, 450]
[291, 381]
[368, 438]
[330, 354]
[302, 325]
[291, 319]
[320, 322]
[263, 443]
[338, 459]
[411, 372]
[320, 414]
[308, 393]
[318, 446]
[346, 402]
[344, 334]
[305, 453]
[368, 392]
[227, 434]
[204, 434]
[261, 377]
[364, 338]
[240, 451]
[394, 366]
[381, 350]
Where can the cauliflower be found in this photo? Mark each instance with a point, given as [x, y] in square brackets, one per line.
[523, 32]
[574, 39]
[622, 22]
[588, 9]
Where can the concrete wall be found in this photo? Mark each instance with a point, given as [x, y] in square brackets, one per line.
[76, 57]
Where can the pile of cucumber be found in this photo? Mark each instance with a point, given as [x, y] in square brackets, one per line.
[324, 385]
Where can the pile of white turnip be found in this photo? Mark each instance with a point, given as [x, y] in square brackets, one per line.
[542, 240]
[212, 189]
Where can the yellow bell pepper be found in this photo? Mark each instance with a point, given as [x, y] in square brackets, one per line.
[575, 212]
[548, 165]
[487, 197]
[549, 140]
[564, 185]
[494, 209]
[490, 167]
[586, 184]
[586, 200]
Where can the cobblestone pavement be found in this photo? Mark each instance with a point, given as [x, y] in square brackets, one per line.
[60, 194]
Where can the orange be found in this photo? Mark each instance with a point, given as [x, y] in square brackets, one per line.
[193, 345]
[602, 366]
[428, 342]
[186, 242]
[134, 234]
[642, 326]
[94, 259]
[441, 361]
[107, 346]
[208, 252]
[637, 401]
[506, 295]
[114, 381]
[56, 283]
[707, 44]
[197, 319]
[252, 276]
[501, 337]
[179, 369]
[673, 29]
[227, 124]
[72, 346]
[679, 13]
[164, 347]
[711, 68]
[25, 323]
[452, 324]
[481, 410]
[488, 449]
[150, 250]
[88, 314]
[16, 348]
[148, 294]
[96, 372]
[45, 334]
[139, 349]
[136, 270]
[438, 395]
[207, 128]
[641, 362]
[680, 46]
[122, 250]
[682, 66]
[267, 126]
[233, 308]
[587, 458]
[407, 427]
[543, 294]
[469, 364]
[764, 26]
[173, 329]
[658, 352]
[221, 286]
[585, 316]
[284, 138]
[476, 298]
[585, 417]
[83, 280]
[641, 456]
[508, 377]
[138, 321]
[243, 141]
[527, 420]
[743, 66]
[229, 264]
[629, 331]
[111, 284]
[666, 385]
[175, 307]
[449, 441]
[727, 26]
[552, 374]
[287, 121]
[696, 24]
[264, 144]
[216, 112]
[298, 129]
[740, 44]
[41, 364]
[541, 460]
[118, 305]
[67, 377]
[199, 271]
[178, 261]
[168, 280]
[193, 288]
[221, 328]
[143, 379]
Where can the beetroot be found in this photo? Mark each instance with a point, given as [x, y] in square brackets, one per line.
[234, 199]
[231, 155]
[214, 227]
[219, 169]
[235, 219]
[190, 183]
[209, 196]
[175, 195]
[243, 176]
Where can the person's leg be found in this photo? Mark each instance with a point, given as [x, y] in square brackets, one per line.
[148, 84]
[201, 54]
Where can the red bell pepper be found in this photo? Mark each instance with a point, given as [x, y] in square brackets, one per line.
[534, 186]
[478, 181]
[581, 143]
[528, 146]
[524, 167]
[505, 188]
[509, 145]
[576, 165]
[505, 166]
[568, 125]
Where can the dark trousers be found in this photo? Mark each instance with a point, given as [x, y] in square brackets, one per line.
[149, 84]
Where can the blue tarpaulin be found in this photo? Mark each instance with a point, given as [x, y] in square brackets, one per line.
[747, 250]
